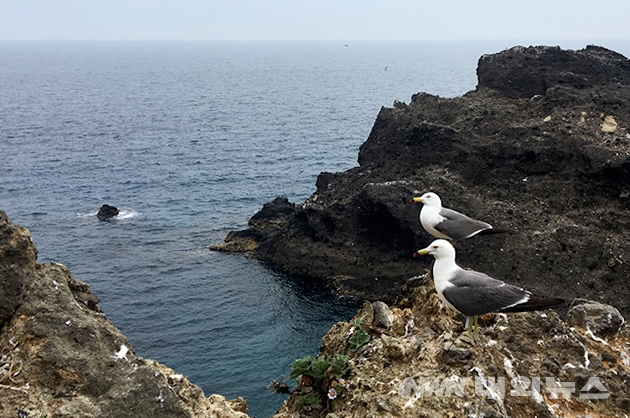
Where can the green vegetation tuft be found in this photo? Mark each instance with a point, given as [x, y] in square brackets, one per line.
[359, 339]
[308, 400]
[320, 368]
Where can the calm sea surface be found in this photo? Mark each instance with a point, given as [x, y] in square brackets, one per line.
[190, 139]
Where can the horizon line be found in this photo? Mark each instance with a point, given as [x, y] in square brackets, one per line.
[345, 41]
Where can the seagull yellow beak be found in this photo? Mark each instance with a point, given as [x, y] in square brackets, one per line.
[423, 251]
[416, 199]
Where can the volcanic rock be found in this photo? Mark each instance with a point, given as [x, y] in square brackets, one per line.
[521, 72]
[17, 255]
[525, 150]
[60, 356]
[107, 212]
[517, 365]
[595, 317]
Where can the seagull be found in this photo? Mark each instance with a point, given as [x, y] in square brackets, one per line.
[449, 224]
[473, 293]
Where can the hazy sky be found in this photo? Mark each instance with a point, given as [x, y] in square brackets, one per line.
[346, 20]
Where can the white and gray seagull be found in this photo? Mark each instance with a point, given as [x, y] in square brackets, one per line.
[449, 224]
[473, 293]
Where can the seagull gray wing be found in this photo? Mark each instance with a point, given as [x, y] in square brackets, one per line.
[475, 293]
[459, 226]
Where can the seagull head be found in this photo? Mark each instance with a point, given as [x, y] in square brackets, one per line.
[429, 199]
[440, 248]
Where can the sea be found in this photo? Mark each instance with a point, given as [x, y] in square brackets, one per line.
[189, 139]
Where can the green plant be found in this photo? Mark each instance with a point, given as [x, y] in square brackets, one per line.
[357, 340]
[320, 368]
[339, 365]
[309, 400]
[324, 374]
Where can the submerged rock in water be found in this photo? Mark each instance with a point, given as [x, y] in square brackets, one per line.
[60, 356]
[106, 212]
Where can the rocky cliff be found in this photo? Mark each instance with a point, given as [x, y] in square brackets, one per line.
[541, 147]
[61, 357]
[417, 362]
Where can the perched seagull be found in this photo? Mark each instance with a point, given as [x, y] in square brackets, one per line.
[449, 224]
[473, 293]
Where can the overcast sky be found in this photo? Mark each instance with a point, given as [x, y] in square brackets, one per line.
[347, 20]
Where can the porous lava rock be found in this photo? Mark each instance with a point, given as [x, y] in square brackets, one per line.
[522, 72]
[519, 365]
[596, 317]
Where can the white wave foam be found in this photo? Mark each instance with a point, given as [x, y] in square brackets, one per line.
[127, 214]
[123, 214]
[88, 214]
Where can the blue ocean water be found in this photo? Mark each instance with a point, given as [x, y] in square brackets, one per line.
[190, 139]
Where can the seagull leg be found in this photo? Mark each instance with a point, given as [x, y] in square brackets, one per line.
[471, 324]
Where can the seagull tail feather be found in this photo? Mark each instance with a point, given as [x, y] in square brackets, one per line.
[536, 303]
[494, 231]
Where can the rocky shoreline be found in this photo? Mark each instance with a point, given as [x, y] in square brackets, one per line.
[61, 357]
[540, 147]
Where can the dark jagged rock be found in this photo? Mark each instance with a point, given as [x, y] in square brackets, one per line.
[522, 72]
[274, 211]
[548, 158]
[272, 217]
[107, 212]
[60, 356]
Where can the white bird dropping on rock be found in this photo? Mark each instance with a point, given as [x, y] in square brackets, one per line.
[122, 353]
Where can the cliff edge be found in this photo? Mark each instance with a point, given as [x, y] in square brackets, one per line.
[60, 356]
[414, 360]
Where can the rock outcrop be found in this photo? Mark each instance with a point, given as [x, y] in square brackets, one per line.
[61, 357]
[107, 212]
[517, 365]
[541, 147]
[525, 72]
